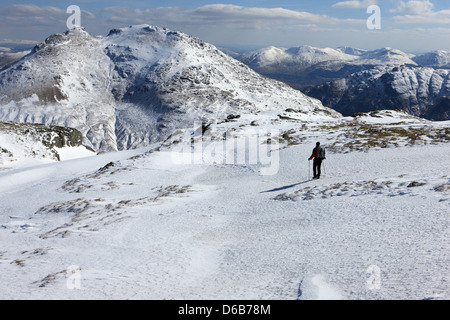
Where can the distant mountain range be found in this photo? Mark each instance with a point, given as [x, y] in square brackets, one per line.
[355, 80]
[305, 66]
[8, 56]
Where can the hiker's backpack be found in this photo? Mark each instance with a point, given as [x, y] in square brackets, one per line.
[320, 153]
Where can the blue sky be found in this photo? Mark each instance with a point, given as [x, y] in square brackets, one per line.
[409, 25]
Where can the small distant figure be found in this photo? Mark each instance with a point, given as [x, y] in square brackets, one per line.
[318, 155]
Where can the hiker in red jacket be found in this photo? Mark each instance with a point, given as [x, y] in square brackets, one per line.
[318, 155]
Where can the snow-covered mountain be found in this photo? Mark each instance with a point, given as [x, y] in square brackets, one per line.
[307, 56]
[304, 66]
[435, 59]
[385, 56]
[136, 86]
[420, 91]
[297, 57]
[351, 50]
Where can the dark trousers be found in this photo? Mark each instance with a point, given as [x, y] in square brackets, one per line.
[316, 167]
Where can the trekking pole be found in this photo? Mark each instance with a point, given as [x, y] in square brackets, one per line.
[324, 169]
[309, 170]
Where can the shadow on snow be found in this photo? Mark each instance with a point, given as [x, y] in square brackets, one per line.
[285, 187]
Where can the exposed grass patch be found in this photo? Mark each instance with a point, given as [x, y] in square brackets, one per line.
[89, 215]
[359, 136]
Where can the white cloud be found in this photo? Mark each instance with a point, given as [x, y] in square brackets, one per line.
[241, 26]
[438, 17]
[29, 15]
[216, 14]
[28, 21]
[354, 4]
[414, 7]
[238, 25]
[420, 11]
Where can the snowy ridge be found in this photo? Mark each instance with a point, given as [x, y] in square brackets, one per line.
[386, 56]
[351, 50]
[136, 86]
[306, 56]
[298, 57]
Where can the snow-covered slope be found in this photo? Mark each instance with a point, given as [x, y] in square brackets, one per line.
[31, 144]
[435, 59]
[136, 86]
[420, 91]
[138, 224]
